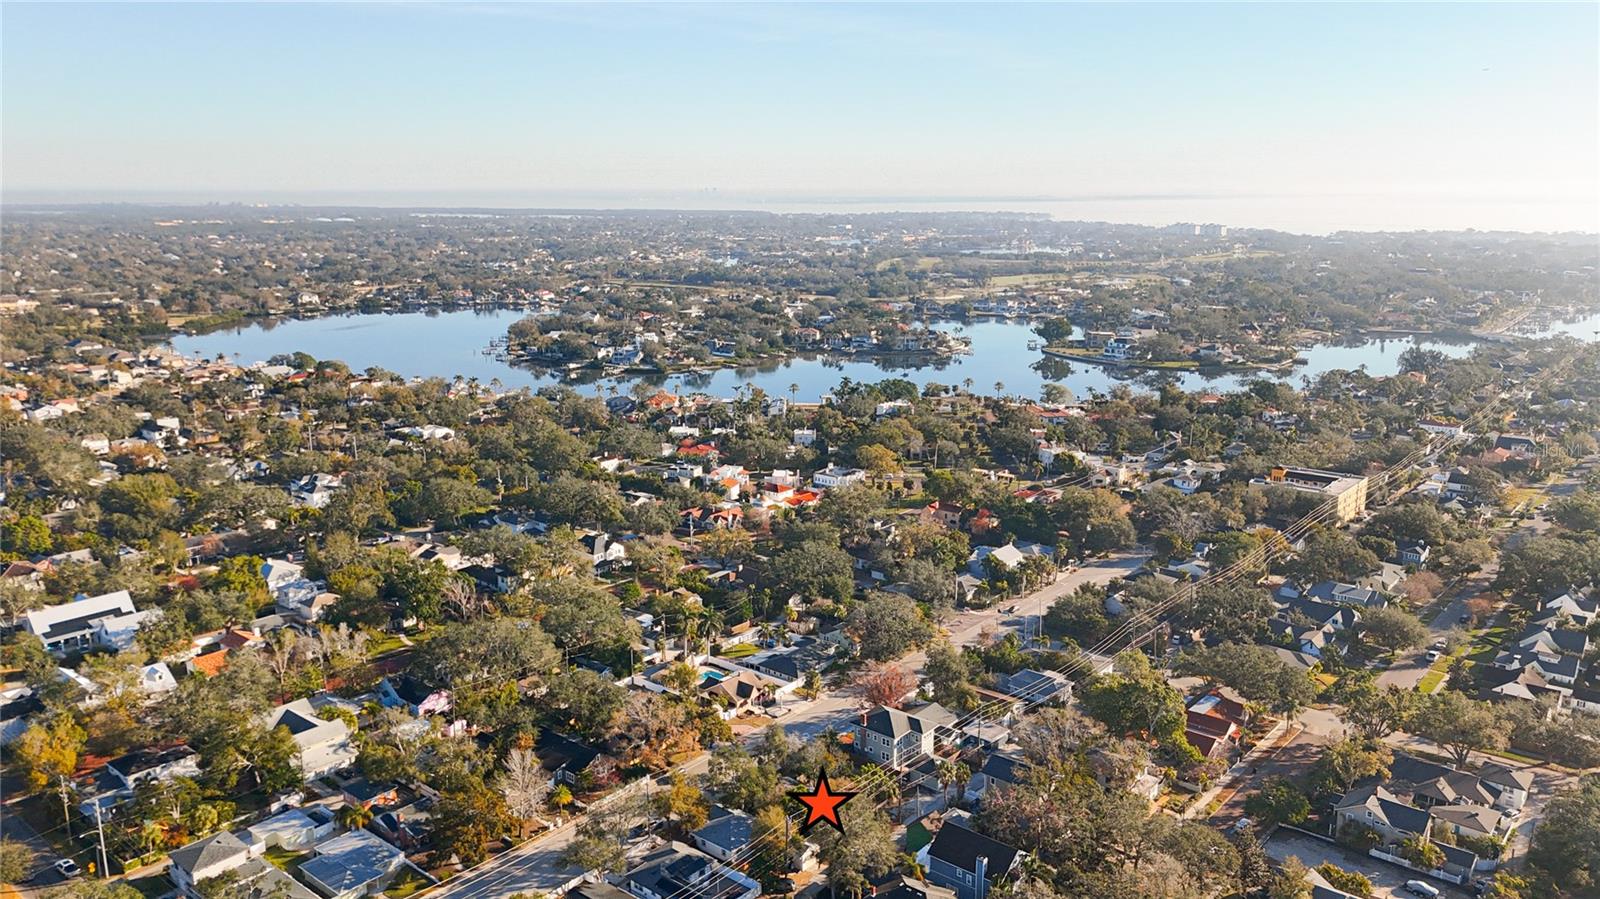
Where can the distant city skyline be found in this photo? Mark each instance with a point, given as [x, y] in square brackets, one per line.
[1307, 118]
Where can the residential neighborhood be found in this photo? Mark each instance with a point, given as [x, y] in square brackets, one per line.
[282, 627]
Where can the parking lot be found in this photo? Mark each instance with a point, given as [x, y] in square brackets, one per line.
[1387, 879]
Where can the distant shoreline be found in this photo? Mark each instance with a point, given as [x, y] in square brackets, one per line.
[1094, 357]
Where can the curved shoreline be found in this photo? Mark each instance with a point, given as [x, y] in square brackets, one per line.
[1094, 358]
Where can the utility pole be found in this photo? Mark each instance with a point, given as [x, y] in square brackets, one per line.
[66, 813]
[100, 831]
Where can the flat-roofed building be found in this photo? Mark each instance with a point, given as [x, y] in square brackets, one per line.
[1348, 491]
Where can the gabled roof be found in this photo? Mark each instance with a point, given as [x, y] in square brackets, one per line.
[1500, 775]
[1002, 767]
[1386, 808]
[1546, 637]
[1470, 816]
[351, 861]
[895, 723]
[77, 616]
[1336, 592]
[207, 852]
[556, 752]
[903, 887]
[959, 847]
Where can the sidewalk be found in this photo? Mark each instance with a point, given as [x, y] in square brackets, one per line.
[1281, 735]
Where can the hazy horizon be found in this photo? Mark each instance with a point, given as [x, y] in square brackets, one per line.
[1285, 214]
[1303, 118]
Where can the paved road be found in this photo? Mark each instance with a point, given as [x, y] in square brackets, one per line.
[1388, 880]
[1410, 668]
[838, 708]
[1099, 571]
[42, 875]
[534, 867]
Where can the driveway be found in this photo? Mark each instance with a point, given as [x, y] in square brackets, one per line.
[838, 708]
[1388, 880]
[1290, 760]
[1031, 607]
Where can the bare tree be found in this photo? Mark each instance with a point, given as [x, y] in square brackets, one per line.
[524, 783]
[282, 649]
[463, 600]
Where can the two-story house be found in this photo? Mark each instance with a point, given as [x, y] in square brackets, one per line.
[968, 862]
[897, 738]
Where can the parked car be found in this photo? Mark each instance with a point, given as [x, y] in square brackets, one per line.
[1465, 617]
[1433, 655]
[1418, 888]
[67, 868]
[1241, 825]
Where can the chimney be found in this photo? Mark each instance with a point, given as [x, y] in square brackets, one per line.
[982, 871]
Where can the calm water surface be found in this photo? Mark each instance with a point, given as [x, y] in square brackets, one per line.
[450, 343]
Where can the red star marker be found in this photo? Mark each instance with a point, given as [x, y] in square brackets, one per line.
[822, 804]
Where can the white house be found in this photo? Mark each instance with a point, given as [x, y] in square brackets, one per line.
[353, 864]
[205, 859]
[325, 746]
[74, 625]
[837, 476]
[315, 490]
[293, 830]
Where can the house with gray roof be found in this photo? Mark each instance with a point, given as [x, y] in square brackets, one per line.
[1037, 687]
[679, 870]
[77, 625]
[966, 861]
[725, 833]
[205, 859]
[897, 738]
[352, 864]
[1340, 593]
[1376, 808]
[324, 745]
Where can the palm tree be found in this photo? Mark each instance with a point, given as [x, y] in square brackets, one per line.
[151, 835]
[354, 816]
[561, 797]
[951, 773]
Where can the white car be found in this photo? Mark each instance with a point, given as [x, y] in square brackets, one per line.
[1419, 888]
[67, 868]
[1242, 824]
[1433, 655]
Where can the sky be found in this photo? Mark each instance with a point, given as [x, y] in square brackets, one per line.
[1304, 117]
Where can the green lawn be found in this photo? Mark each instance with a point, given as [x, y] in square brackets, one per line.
[1431, 680]
[740, 651]
[406, 883]
[383, 644]
[1485, 644]
[1478, 650]
[289, 862]
[917, 837]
